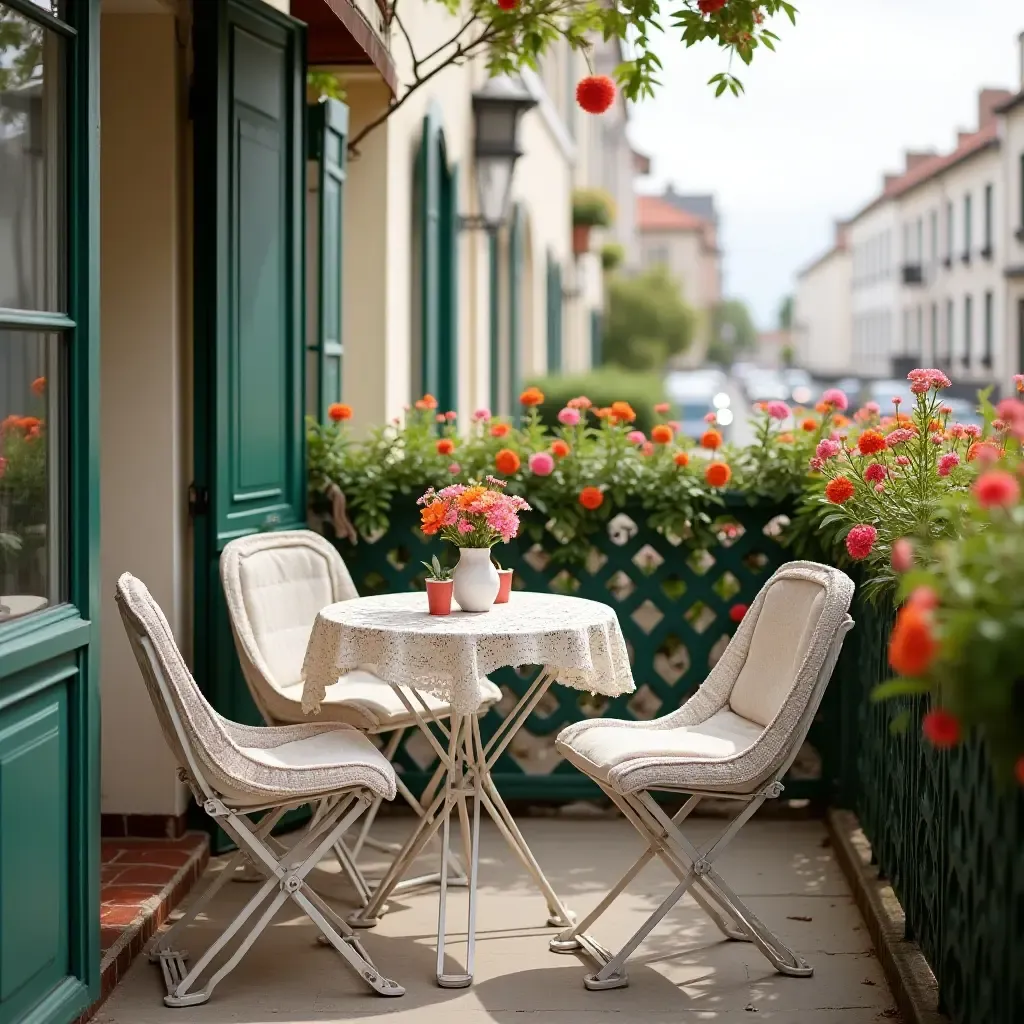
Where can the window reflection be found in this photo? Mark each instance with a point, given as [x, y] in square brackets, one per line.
[32, 229]
[31, 499]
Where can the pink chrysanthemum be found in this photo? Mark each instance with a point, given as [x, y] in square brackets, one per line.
[972, 430]
[902, 460]
[541, 464]
[947, 462]
[860, 541]
[482, 415]
[828, 448]
[875, 472]
[778, 410]
[836, 399]
[937, 438]
[873, 408]
[901, 435]
[636, 436]
[997, 488]
[568, 417]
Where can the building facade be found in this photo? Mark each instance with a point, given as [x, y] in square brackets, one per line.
[191, 262]
[822, 312]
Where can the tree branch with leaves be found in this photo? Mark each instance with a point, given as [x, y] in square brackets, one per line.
[512, 35]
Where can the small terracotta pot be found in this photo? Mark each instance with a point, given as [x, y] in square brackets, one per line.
[580, 239]
[439, 596]
[504, 586]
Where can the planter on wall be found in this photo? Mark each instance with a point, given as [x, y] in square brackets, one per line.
[580, 239]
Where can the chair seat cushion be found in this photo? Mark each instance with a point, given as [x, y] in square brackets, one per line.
[364, 700]
[292, 761]
[604, 746]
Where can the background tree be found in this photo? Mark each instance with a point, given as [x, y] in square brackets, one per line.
[646, 321]
[515, 34]
[786, 314]
[732, 332]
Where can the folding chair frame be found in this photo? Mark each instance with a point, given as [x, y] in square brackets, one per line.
[284, 870]
[693, 866]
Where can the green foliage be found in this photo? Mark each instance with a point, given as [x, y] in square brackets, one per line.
[592, 207]
[646, 321]
[732, 332]
[437, 571]
[324, 83]
[643, 391]
[786, 314]
[612, 255]
[511, 40]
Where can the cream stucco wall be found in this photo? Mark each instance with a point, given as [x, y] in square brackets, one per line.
[1012, 239]
[822, 318]
[144, 426]
[379, 258]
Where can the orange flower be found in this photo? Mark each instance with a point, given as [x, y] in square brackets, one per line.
[506, 461]
[426, 402]
[786, 439]
[338, 411]
[470, 495]
[445, 446]
[934, 426]
[531, 396]
[560, 448]
[662, 434]
[840, 421]
[871, 442]
[30, 424]
[432, 517]
[809, 425]
[912, 646]
[718, 474]
[602, 414]
[682, 459]
[582, 402]
[623, 411]
[839, 491]
[711, 439]
[591, 498]
[39, 385]
[12, 422]
[822, 407]
[499, 430]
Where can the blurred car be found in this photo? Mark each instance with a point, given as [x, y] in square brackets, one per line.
[766, 386]
[800, 384]
[852, 387]
[742, 370]
[695, 393]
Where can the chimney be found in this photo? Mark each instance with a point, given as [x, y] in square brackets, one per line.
[889, 180]
[962, 137]
[988, 100]
[916, 159]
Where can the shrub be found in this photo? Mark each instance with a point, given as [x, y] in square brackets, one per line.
[643, 391]
[612, 255]
[592, 207]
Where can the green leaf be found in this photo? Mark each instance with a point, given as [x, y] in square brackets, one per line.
[899, 688]
[900, 723]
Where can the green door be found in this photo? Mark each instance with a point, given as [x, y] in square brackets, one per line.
[49, 511]
[328, 131]
[250, 163]
[516, 257]
[554, 315]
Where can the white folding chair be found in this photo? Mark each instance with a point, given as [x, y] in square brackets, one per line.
[735, 738]
[275, 584]
[237, 771]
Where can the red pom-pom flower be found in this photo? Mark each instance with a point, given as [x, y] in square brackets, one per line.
[595, 93]
[710, 6]
[508, 5]
[737, 612]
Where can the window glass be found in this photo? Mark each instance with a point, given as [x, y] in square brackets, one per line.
[32, 521]
[32, 161]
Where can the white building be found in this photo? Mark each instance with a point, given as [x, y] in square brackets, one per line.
[1011, 238]
[823, 312]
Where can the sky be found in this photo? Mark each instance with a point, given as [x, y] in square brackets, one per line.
[849, 89]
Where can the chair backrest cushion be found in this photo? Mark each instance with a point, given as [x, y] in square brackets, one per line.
[275, 584]
[782, 634]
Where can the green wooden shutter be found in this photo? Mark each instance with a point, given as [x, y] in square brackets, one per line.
[448, 332]
[428, 181]
[554, 309]
[328, 130]
[494, 321]
[515, 298]
[249, 306]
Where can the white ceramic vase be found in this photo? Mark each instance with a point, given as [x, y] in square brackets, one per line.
[476, 580]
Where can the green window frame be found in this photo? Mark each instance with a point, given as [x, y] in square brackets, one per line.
[328, 142]
[437, 237]
[554, 315]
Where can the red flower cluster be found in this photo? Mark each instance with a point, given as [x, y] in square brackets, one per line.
[595, 93]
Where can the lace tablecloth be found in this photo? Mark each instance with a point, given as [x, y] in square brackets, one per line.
[447, 655]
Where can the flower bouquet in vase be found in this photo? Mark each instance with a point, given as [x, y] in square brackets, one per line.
[474, 518]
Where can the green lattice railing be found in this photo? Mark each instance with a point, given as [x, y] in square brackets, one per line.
[947, 835]
[673, 604]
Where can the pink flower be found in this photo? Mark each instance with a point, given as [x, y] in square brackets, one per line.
[647, 448]
[541, 464]
[998, 425]
[879, 488]
[958, 430]
[636, 436]
[1018, 381]
[996, 488]
[440, 417]
[972, 430]
[464, 526]
[946, 410]
[937, 438]
[896, 400]
[1011, 412]
[828, 448]
[860, 541]
[817, 464]
[873, 408]
[482, 415]
[451, 416]
[778, 410]
[454, 468]
[947, 462]
[661, 408]
[902, 460]
[922, 380]
[899, 436]
[875, 472]
[836, 399]
[568, 417]
[902, 555]
[676, 426]
[710, 417]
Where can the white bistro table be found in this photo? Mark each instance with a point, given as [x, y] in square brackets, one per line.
[578, 643]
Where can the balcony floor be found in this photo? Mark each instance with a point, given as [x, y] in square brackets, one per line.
[783, 869]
